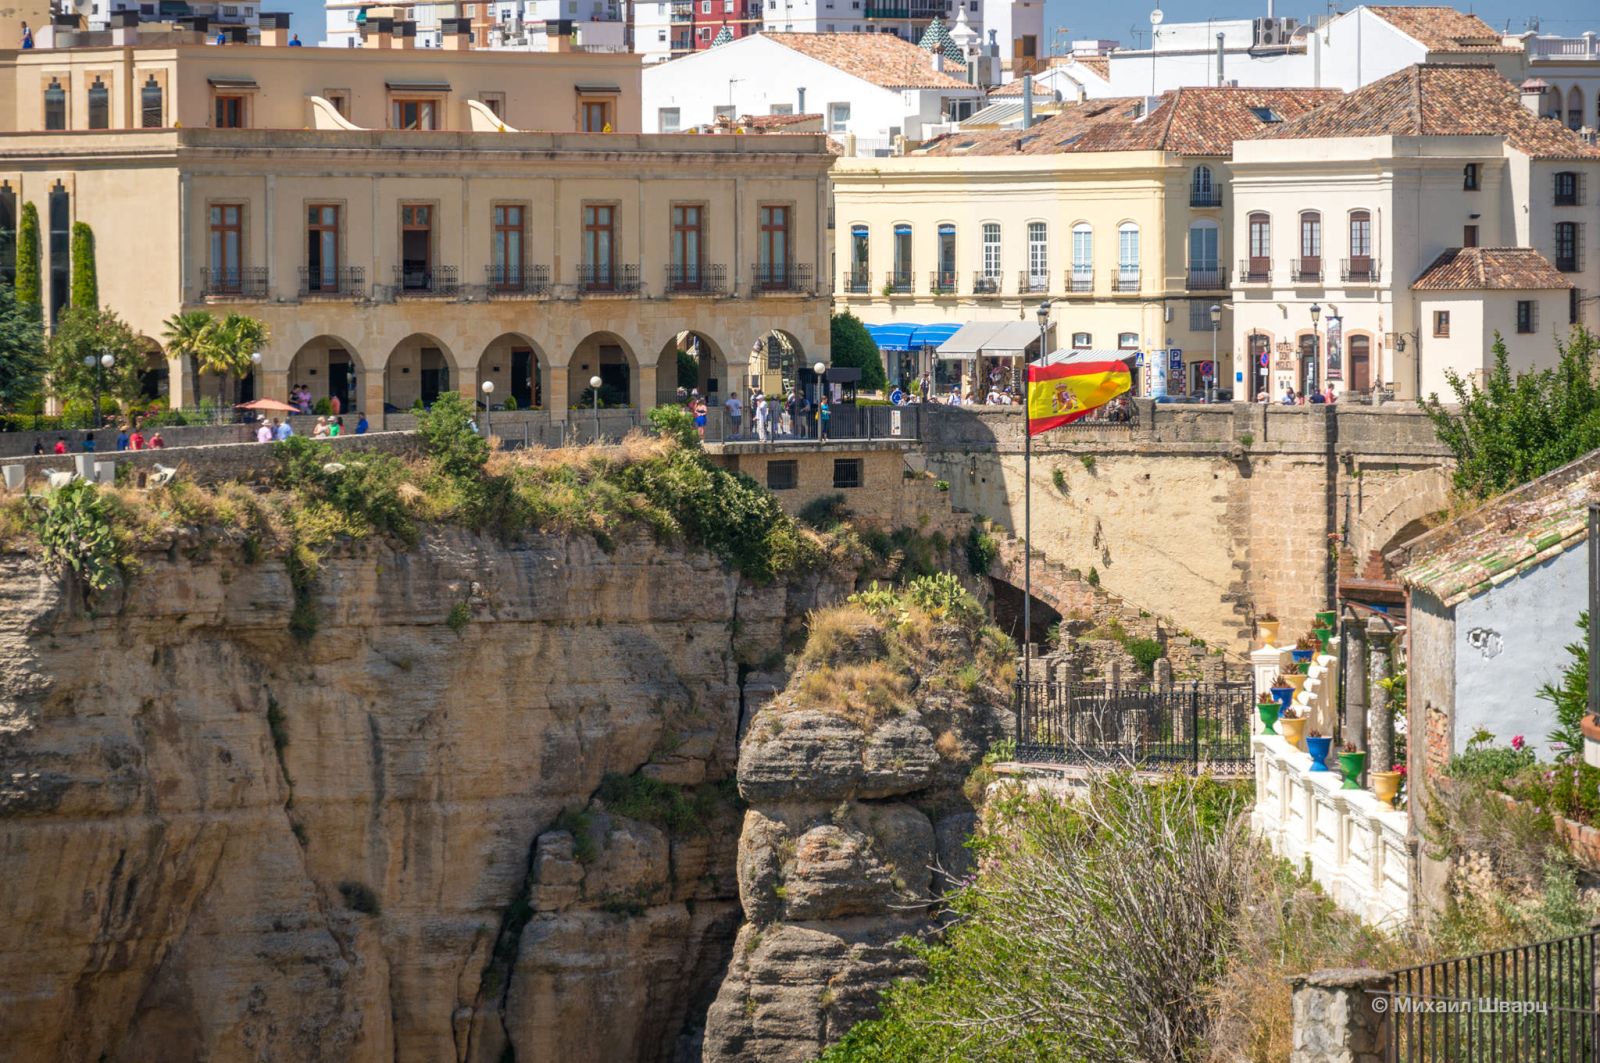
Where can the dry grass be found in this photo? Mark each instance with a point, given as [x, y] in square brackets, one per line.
[949, 747]
[863, 693]
[841, 633]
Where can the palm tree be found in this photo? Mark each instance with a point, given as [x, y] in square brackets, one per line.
[189, 335]
[233, 344]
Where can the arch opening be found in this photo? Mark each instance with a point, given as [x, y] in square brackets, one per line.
[608, 356]
[516, 367]
[326, 367]
[417, 372]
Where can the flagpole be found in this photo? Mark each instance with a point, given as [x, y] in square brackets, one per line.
[1027, 520]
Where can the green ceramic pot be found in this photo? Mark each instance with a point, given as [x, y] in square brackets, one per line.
[1269, 717]
[1351, 765]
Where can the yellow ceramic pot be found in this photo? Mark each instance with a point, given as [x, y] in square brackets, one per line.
[1298, 681]
[1267, 631]
[1385, 785]
[1293, 731]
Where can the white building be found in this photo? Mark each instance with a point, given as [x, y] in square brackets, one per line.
[1017, 24]
[1385, 237]
[870, 88]
[515, 25]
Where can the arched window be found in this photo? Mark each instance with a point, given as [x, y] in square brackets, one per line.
[151, 113]
[1082, 257]
[1574, 108]
[99, 105]
[1359, 265]
[900, 281]
[991, 250]
[1258, 267]
[1203, 191]
[1310, 264]
[945, 280]
[1082, 341]
[1127, 341]
[1127, 257]
[55, 106]
[858, 280]
[1205, 266]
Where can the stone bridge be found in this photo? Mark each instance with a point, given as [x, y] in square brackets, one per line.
[1210, 515]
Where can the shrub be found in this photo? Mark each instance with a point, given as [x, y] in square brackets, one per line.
[510, 404]
[460, 616]
[825, 512]
[85, 290]
[76, 525]
[1094, 577]
[322, 407]
[1145, 651]
[1571, 695]
[982, 549]
[942, 595]
[1088, 461]
[852, 346]
[677, 423]
[359, 897]
[1058, 478]
[678, 809]
[448, 439]
[29, 286]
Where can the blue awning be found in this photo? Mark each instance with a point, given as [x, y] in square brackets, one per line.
[893, 337]
[932, 335]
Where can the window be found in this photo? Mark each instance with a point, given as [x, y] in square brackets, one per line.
[416, 246]
[772, 244]
[599, 246]
[846, 472]
[1082, 341]
[1566, 193]
[1574, 295]
[1266, 114]
[8, 235]
[1360, 237]
[1038, 255]
[1082, 250]
[1527, 316]
[228, 112]
[688, 244]
[495, 101]
[991, 249]
[55, 106]
[1128, 251]
[783, 475]
[341, 102]
[322, 248]
[596, 115]
[1199, 315]
[858, 281]
[1574, 109]
[1260, 264]
[1205, 250]
[413, 114]
[1310, 244]
[1202, 189]
[838, 117]
[150, 109]
[1441, 324]
[947, 256]
[509, 238]
[667, 119]
[705, 7]
[902, 258]
[1567, 246]
[1469, 236]
[226, 234]
[1127, 341]
[60, 224]
[1469, 177]
[99, 105]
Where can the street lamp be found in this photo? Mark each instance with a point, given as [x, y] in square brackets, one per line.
[1316, 349]
[1211, 382]
[99, 366]
[488, 414]
[594, 389]
[820, 369]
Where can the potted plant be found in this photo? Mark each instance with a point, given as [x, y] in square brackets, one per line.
[1304, 650]
[1283, 692]
[1324, 636]
[1386, 785]
[1293, 728]
[1317, 744]
[1352, 762]
[1267, 629]
[1268, 708]
[1327, 619]
[1297, 680]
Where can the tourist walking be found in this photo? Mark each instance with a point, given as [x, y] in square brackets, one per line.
[823, 413]
[361, 426]
[735, 412]
[761, 416]
[321, 429]
[283, 431]
[156, 442]
[264, 430]
[122, 438]
[136, 440]
[61, 444]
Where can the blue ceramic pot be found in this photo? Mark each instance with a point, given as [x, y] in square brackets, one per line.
[1318, 748]
[1284, 697]
[1301, 655]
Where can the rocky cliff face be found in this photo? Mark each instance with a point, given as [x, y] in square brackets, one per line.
[854, 776]
[387, 841]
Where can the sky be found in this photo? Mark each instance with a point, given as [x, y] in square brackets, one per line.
[1084, 20]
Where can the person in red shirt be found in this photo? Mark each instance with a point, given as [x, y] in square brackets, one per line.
[61, 444]
[157, 443]
[136, 441]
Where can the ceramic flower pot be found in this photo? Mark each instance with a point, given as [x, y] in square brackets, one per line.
[1301, 656]
[1284, 696]
[1297, 682]
[1267, 631]
[1293, 729]
[1269, 716]
[1327, 619]
[1304, 667]
[1350, 766]
[1318, 748]
[1386, 786]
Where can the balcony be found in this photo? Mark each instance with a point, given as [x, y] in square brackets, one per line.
[326, 282]
[428, 282]
[887, 11]
[1032, 283]
[1305, 271]
[682, 12]
[1205, 197]
[1255, 271]
[1125, 279]
[696, 280]
[1362, 270]
[1080, 280]
[942, 282]
[898, 282]
[1208, 279]
[608, 279]
[858, 282]
[985, 283]
[791, 277]
[238, 282]
[513, 282]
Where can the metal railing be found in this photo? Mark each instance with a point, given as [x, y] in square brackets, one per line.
[1080, 281]
[857, 281]
[780, 277]
[437, 282]
[1209, 197]
[1255, 271]
[1567, 263]
[1530, 1003]
[1193, 727]
[898, 281]
[942, 282]
[1212, 279]
[1124, 279]
[1303, 272]
[847, 422]
[1030, 283]
[238, 282]
[696, 280]
[605, 279]
[985, 283]
[508, 282]
[348, 282]
[1359, 270]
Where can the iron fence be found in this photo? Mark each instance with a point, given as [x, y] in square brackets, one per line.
[1198, 727]
[1519, 1005]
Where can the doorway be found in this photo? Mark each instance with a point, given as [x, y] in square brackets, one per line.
[524, 386]
[341, 379]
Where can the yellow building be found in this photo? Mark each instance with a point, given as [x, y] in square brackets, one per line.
[411, 221]
[1116, 211]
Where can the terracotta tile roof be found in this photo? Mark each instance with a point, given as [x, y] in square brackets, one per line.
[1476, 269]
[1098, 65]
[1185, 121]
[1044, 84]
[1504, 537]
[1440, 100]
[881, 58]
[778, 121]
[1444, 29]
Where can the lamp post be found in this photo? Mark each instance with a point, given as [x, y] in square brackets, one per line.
[255, 365]
[1316, 347]
[488, 413]
[819, 370]
[1211, 382]
[99, 366]
[594, 389]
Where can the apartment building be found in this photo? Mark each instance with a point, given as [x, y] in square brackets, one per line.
[413, 221]
[1383, 239]
[1115, 213]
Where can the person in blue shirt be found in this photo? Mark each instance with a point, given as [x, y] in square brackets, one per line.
[88, 444]
[361, 426]
[294, 41]
[285, 430]
[27, 37]
[122, 438]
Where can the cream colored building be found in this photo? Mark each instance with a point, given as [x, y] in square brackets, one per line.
[1119, 217]
[393, 263]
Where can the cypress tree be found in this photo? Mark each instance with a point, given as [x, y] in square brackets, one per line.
[85, 279]
[29, 287]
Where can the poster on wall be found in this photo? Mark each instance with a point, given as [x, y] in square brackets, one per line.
[1157, 378]
[1335, 370]
[1176, 384]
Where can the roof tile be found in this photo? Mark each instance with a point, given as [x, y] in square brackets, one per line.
[1476, 269]
[880, 58]
[1444, 29]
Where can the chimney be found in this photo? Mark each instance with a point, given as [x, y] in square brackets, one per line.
[275, 29]
[558, 35]
[378, 33]
[1027, 101]
[455, 34]
[938, 60]
[124, 28]
[800, 100]
[405, 35]
[1221, 81]
[1533, 95]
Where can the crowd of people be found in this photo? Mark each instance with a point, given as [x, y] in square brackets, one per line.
[130, 436]
[1291, 397]
[279, 428]
[792, 416]
[300, 398]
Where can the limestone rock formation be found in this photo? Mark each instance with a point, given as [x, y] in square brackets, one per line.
[854, 776]
[223, 843]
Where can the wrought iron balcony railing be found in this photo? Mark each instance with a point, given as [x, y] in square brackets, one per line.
[898, 281]
[1306, 271]
[608, 279]
[1209, 279]
[1125, 279]
[1080, 280]
[509, 282]
[1255, 271]
[780, 277]
[1030, 283]
[236, 282]
[985, 283]
[942, 282]
[1359, 270]
[697, 280]
[857, 281]
[330, 282]
[1209, 197]
[434, 282]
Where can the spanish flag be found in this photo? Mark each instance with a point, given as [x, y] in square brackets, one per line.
[1061, 393]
